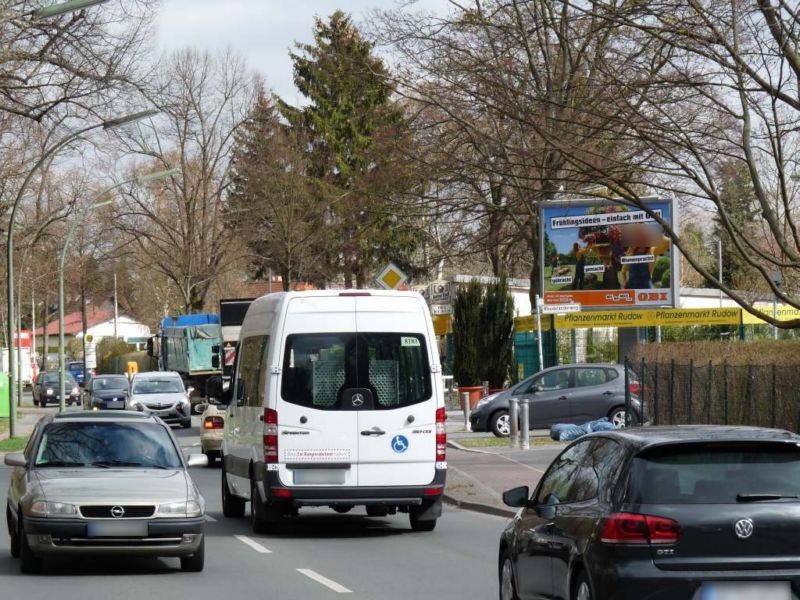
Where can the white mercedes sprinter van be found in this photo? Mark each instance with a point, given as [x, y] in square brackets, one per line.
[336, 401]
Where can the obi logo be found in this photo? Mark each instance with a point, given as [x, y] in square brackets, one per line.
[399, 444]
[652, 297]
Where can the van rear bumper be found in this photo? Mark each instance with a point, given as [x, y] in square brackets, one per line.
[360, 496]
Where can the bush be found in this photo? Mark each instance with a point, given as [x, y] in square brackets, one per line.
[761, 352]
[108, 350]
[661, 267]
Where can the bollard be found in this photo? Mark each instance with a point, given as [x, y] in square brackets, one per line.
[513, 420]
[525, 437]
[465, 405]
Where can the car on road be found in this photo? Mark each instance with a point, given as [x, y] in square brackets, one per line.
[575, 393]
[77, 369]
[104, 483]
[663, 513]
[161, 393]
[46, 389]
[106, 392]
[211, 431]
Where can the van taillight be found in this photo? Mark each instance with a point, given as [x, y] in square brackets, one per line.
[441, 435]
[270, 436]
[627, 528]
[213, 423]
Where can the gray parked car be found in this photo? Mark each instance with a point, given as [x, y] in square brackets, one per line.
[104, 483]
[564, 394]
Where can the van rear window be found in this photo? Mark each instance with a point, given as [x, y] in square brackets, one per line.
[715, 473]
[319, 368]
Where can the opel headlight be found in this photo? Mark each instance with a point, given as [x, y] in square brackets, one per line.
[42, 508]
[190, 508]
[49, 391]
[485, 400]
[75, 390]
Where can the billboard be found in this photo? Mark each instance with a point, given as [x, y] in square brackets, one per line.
[604, 254]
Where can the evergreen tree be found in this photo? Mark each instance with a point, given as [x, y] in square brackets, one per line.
[356, 136]
[497, 333]
[467, 334]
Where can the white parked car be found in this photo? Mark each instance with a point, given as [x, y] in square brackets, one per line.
[336, 401]
[161, 393]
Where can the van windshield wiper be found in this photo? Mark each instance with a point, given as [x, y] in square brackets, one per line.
[763, 497]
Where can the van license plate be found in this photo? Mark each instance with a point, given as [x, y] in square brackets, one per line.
[746, 590]
[116, 529]
[319, 477]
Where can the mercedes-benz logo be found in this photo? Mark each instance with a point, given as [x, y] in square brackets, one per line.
[117, 512]
[358, 400]
[743, 528]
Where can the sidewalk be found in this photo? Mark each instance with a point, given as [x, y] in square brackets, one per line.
[477, 478]
[27, 417]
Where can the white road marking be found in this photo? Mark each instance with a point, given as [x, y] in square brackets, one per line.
[211, 519]
[339, 589]
[254, 545]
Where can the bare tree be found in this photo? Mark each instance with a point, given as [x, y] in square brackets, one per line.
[512, 87]
[79, 60]
[177, 224]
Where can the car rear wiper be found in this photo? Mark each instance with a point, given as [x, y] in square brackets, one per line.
[763, 497]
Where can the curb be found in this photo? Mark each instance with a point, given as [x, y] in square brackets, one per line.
[477, 507]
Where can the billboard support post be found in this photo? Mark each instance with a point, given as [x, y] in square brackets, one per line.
[539, 330]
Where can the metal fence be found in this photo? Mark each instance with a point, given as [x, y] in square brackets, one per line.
[708, 393]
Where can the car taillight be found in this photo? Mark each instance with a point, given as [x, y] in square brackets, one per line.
[627, 528]
[213, 423]
[270, 436]
[441, 435]
[635, 387]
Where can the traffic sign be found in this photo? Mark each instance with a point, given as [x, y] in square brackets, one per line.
[391, 277]
[555, 309]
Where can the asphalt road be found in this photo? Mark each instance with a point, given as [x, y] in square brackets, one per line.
[325, 555]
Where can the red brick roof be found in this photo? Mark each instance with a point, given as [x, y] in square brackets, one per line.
[73, 323]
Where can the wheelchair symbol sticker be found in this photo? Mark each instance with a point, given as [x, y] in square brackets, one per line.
[399, 444]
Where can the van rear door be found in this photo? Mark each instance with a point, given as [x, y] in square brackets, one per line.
[317, 439]
[397, 421]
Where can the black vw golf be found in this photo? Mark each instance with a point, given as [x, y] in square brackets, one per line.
[679, 513]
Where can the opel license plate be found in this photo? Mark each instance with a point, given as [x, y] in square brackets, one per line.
[746, 590]
[128, 528]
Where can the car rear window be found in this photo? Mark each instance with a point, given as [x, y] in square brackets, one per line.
[718, 473]
[319, 367]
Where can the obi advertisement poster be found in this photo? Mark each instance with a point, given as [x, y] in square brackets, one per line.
[604, 254]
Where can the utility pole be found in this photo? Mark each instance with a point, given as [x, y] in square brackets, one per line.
[116, 313]
[719, 265]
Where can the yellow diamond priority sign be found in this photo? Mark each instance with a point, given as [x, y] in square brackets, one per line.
[391, 277]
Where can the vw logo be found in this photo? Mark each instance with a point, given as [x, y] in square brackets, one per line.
[358, 400]
[744, 528]
[117, 512]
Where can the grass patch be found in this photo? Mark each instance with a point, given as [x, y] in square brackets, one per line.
[15, 444]
[496, 442]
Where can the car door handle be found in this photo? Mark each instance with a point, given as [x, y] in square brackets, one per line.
[608, 393]
[562, 398]
[374, 431]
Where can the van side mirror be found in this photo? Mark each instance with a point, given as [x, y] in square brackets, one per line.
[215, 361]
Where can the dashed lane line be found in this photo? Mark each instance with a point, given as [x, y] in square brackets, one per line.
[253, 544]
[328, 583]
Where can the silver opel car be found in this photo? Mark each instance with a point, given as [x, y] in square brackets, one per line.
[161, 393]
[104, 483]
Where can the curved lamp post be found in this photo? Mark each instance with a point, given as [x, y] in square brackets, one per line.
[70, 233]
[108, 124]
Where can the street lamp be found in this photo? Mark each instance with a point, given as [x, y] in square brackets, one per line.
[54, 10]
[12, 422]
[70, 232]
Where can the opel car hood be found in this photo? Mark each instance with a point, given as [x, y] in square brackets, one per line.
[113, 486]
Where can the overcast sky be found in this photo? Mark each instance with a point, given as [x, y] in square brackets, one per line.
[262, 31]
